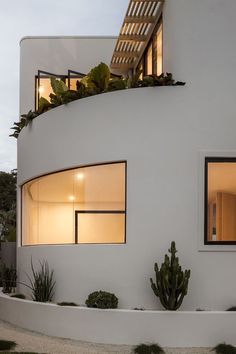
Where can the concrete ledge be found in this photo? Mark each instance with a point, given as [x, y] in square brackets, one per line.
[171, 329]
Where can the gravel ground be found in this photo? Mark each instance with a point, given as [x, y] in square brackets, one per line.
[31, 341]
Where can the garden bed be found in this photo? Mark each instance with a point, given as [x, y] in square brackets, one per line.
[121, 326]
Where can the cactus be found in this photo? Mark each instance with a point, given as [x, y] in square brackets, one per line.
[171, 282]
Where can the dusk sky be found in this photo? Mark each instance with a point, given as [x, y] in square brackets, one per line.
[44, 17]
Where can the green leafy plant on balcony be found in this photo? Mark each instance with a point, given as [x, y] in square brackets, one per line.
[8, 276]
[99, 80]
[171, 283]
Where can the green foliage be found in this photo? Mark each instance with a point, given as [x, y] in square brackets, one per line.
[24, 121]
[64, 303]
[233, 308]
[98, 80]
[7, 190]
[148, 349]
[117, 84]
[8, 276]
[171, 282]
[102, 300]
[224, 349]
[42, 284]
[99, 77]
[19, 296]
[7, 344]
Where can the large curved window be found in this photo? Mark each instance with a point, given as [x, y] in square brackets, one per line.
[81, 205]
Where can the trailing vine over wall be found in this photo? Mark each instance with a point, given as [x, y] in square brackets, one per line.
[97, 81]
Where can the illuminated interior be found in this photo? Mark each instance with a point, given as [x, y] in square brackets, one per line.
[44, 88]
[82, 205]
[152, 60]
[221, 201]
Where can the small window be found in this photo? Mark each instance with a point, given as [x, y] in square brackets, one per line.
[220, 200]
[153, 55]
[81, 205]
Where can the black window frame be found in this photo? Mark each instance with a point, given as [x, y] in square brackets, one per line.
[214, 159]
[78, 211]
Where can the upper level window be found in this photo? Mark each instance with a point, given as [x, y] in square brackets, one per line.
[43, 83]
[152, 60]
[220, 200]
[81, 205]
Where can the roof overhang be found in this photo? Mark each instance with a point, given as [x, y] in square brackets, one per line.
[140, 21]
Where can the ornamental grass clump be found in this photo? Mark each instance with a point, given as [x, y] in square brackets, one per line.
[224, 349]
[171, 282]
[102, 300]
[148, 349]
[42, 283]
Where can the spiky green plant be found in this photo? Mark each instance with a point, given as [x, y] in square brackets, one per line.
[42, 283]
[102, 300]
[171, 282]
[7, 344]
[224, 349]
[148, 349]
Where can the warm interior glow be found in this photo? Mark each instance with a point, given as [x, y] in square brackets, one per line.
[159, 51]
[50, 203]
[149, 60]
[221, 201]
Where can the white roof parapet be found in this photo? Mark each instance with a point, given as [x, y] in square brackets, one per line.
[140, 21]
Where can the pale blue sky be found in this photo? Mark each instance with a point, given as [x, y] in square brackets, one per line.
[19, 18]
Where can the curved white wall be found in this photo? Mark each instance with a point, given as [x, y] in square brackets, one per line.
[164, 134]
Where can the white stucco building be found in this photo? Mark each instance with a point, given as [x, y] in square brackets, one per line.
[105, 183]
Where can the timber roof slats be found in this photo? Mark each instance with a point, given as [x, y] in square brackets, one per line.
[139, 23]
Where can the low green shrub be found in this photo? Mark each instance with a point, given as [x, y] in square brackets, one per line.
[102, 300]
[64, 303]
[233, 308]
[224, 349]
[18, 296]
[148, 349]
[7, 344]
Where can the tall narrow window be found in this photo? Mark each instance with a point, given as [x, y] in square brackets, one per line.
[159, 54]
[220, 200]
[149, 60]
[81, 205]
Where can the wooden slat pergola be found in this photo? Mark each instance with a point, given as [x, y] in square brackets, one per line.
[140, 21]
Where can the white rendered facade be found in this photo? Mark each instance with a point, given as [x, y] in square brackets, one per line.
[164, 135]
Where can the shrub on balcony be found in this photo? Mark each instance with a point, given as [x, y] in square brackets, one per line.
[98, 80]
[224, 349]
[148, 349]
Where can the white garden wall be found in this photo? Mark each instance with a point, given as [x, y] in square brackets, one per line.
[172, 329]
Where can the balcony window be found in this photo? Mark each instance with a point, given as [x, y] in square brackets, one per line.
[220, 200]
[153, 56]
[81, 205]
[43, 83]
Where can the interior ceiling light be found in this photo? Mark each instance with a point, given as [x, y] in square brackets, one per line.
[80, 176]
[71, 198]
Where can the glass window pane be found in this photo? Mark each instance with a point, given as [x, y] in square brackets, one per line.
[100, 228]
[50, 203]
[159, 68]
[73, 83]
[221, 201]
[149, 60]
